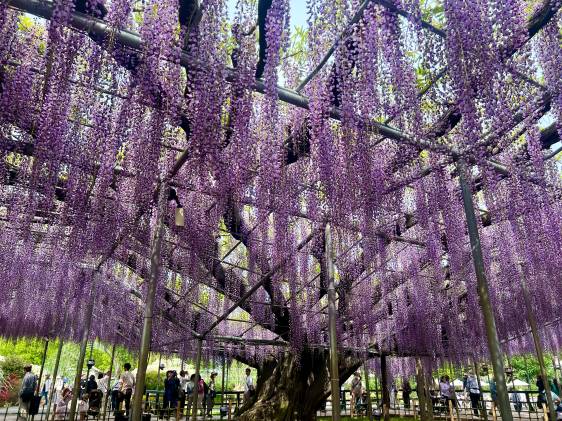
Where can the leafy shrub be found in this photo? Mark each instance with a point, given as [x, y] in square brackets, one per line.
[12, 365]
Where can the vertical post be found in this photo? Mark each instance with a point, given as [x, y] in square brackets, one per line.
[332, 314]
[424, 400]
[155, 266]
[385, 391]
[222, 386]
[51, 394]
[195, 393]
[537, 342]
[483, 295]
[109, 388]
[158, 383]
[83, 346]
[41, 371]
[368, 387]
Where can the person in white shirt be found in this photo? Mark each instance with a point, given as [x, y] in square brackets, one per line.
[248, 386]
[184, 379]
[127, 386]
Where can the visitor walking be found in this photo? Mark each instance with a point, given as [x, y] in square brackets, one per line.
[46, 389]
[248, 386]
[127, 386]
[445, 390]
[493, 395]
[517, 402]
[91, 384]
[406, 391]
[355, 391]
[171, 386]
[116, 396]
[27, 391]
[103, 380]
[541, 397]
[211, 394]
[201, 394]
[189, 393]
[555, 387]
[473, 391]
[182, 395]
[453, 395]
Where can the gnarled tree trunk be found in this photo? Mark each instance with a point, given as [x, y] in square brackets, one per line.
[291, 387]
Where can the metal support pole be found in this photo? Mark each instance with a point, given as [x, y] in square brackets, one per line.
[89, 358]
[155, 267]
[43, 360]
[54, 377]
[368, 388]
[158, 380]
[222, 374]
[109, 388]
[83, 346]
[538, 347]
[195, 392]
[483, 295]
[332, 314]
[41, 371]
[385, 391]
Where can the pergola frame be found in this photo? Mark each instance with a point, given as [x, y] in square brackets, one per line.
[93, 26]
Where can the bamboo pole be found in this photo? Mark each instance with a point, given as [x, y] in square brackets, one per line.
[155, 267]
[483, 295]
[109, 388]
[537, 342]
[385, 391]
[83, 346]
[367, 386]
[43, 360]
[54, 377]
[332, 314]
[195, 392]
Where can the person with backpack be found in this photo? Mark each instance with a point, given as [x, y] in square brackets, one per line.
[473, 391]
[27, 391]
[127, 386]
[189, 388]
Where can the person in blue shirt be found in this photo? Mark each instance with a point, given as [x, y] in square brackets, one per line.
[473, 391]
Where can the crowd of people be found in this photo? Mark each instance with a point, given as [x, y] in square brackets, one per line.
[181, 393]
[444, 397]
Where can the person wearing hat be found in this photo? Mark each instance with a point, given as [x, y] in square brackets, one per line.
[27, 391]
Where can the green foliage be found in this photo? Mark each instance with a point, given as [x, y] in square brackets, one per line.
[28, 350]
[526, 367]
[152, 380]
[12, 365]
